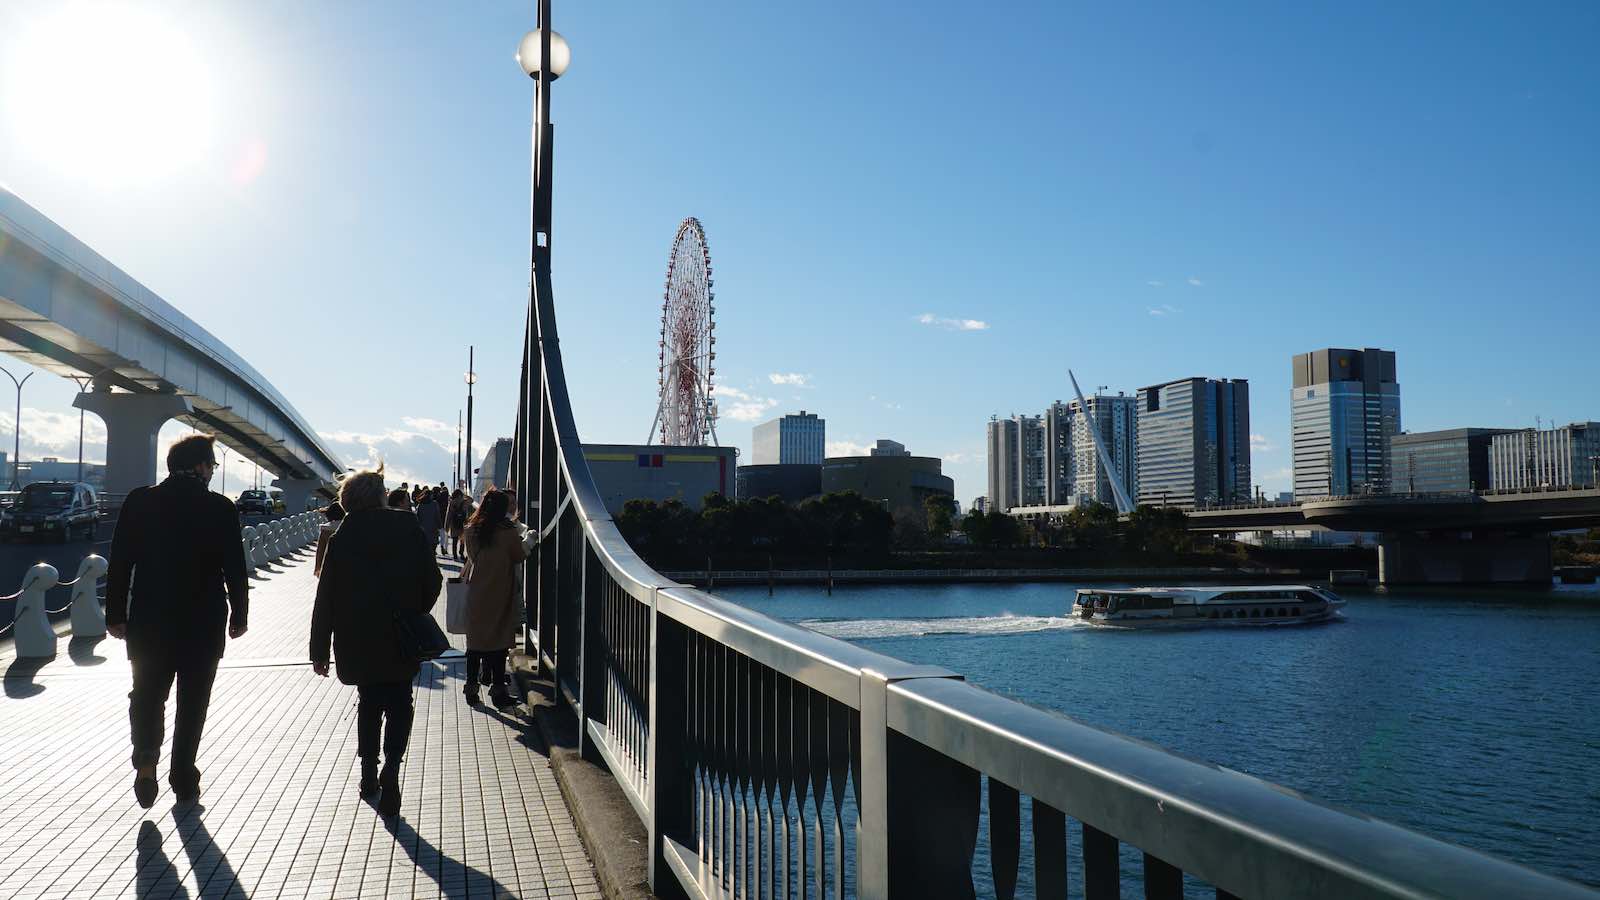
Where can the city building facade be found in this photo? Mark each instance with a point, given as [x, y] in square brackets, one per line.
[792, 483]
[798, 439]
[1568, 456]
[886, 447]
[1429, 462]
[1344, 412]
[1073, 469]
[902, 484]
[1193, 442]
[624, 472]
[1031, 459]
[495, 470]
[1001, 446]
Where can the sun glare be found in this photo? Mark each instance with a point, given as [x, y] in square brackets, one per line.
[109, 93]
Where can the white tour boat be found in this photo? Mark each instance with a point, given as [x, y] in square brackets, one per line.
[1223, 605]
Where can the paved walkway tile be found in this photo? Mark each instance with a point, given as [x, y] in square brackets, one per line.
[482, 815]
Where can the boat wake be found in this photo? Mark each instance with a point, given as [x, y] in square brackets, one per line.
[857, 629]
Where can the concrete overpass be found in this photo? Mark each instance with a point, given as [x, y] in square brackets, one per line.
[1491, 536]
[68, 310]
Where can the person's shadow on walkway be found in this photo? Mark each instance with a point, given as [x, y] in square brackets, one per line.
[455, 879]
[155, 876]
[212, 872]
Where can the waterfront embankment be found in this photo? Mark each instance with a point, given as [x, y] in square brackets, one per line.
[707, 579]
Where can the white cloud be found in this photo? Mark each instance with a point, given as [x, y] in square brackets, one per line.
[950, 324]
[408, 456]
[422, 424]
[1155, 283]
[53, 434]
[746, 407]
[1164, 309]
[847, 448]
[1259, 442]
[1195, 281]
[794, 379]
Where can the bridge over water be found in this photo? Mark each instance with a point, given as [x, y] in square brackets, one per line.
[1483, 536]
[765, 759]
[68, 310]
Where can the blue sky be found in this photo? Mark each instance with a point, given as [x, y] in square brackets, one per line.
[1138, 192]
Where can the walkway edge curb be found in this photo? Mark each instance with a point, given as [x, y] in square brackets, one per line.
[611, 832]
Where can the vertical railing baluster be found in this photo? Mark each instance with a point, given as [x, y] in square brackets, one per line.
[838, 769]
[1049, 851]
[1005, 838]
[1162, 880]
[819, 788]
[802, 781]
[769, 780]
[1101, 868]
[782, 744]
[855, 784]
[669, 790]
[738, 687]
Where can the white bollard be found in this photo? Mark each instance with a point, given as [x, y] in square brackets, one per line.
[256, 557]
[302, 534]
[247, 538]
[35, 637]
[88, 619]
[279, 544]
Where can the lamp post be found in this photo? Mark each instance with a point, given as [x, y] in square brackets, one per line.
[83, 382]
[16, 451]
[455, 479]
[472, 379]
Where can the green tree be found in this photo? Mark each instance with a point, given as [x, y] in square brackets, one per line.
[1159, 531]
[1091, 526]
[938, 513]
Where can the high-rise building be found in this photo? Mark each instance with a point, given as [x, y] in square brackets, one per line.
[1344, 411]
[1429, 462]
[1001, 444]
[1568, 456]
[1031, 480]
[799, 439]
[1194, 442]
[1073, 469]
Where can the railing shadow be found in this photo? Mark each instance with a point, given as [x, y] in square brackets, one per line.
[430, 860]
[81, 650]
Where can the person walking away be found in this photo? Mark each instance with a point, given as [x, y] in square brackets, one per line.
[441, 499]
[461, 511]
[494, 554]
[335, 513]
[429, 517]
[398, 499]
[177, 582]
[378, 563]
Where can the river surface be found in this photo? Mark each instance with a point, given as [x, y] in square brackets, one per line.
[1472, 716]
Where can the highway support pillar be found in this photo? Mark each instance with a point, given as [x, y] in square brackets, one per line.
[132, 422]
[297, 493]
[1464, 557]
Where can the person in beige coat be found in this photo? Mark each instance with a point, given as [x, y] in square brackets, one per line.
[495, 552]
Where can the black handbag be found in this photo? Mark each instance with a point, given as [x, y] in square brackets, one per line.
[420, 636]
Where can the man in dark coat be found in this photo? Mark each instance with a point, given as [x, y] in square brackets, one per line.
[177, 546]
[378, 563]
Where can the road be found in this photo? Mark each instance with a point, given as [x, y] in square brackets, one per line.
[17, 557]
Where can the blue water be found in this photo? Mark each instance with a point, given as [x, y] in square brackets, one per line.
[1472, 716]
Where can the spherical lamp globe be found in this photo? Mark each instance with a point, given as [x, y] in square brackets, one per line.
[528, 54]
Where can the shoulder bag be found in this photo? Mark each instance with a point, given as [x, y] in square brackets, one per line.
[419, 635]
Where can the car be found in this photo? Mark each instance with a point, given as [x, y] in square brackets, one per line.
[62, 510]
[255, 503]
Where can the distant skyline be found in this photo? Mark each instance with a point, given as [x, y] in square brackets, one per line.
[919, 216]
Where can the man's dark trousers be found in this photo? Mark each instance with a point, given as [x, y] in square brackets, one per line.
[152, 682]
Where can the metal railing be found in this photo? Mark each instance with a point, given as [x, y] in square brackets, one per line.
[766, 760]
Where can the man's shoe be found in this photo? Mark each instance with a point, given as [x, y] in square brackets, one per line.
[389, 800]
[473, 699]
[145, 790]
[369, 778]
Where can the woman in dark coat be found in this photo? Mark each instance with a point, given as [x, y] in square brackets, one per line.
[377, 563]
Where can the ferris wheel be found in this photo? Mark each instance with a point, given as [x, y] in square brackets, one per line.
[686, 414]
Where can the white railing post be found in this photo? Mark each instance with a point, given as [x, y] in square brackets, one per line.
[279, 543]
[88, 619]
[35, 638]
[247, 539]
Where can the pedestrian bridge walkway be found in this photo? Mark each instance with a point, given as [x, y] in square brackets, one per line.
[279, 815]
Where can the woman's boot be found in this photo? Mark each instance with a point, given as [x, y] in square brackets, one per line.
[389, 784]
[369, 777]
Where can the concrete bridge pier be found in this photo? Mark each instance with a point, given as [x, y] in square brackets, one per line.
[132, 423]
[1464, 557]
[296, 493]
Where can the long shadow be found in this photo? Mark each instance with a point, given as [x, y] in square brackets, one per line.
[19, 683]
[156, 876]
[211, 868]
[81, 650]
[454, 878]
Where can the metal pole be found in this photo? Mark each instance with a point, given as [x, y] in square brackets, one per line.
[16, 451]
[456, 481]
[471, 377]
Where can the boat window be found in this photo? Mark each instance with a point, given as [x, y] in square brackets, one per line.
[1255, 613]
[1297, 611]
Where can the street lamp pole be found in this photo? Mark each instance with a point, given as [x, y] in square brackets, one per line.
[455, 481]
[472, 378]
[16, 450]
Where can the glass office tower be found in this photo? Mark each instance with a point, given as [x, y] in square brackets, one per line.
[1440, 461]
[793, 439]
[1344, 412]
[1194, 443]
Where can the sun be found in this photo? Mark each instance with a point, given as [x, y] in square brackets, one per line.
[107, 93]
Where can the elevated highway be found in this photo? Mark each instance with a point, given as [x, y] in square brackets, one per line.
[1490, 536]
[68, 310]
